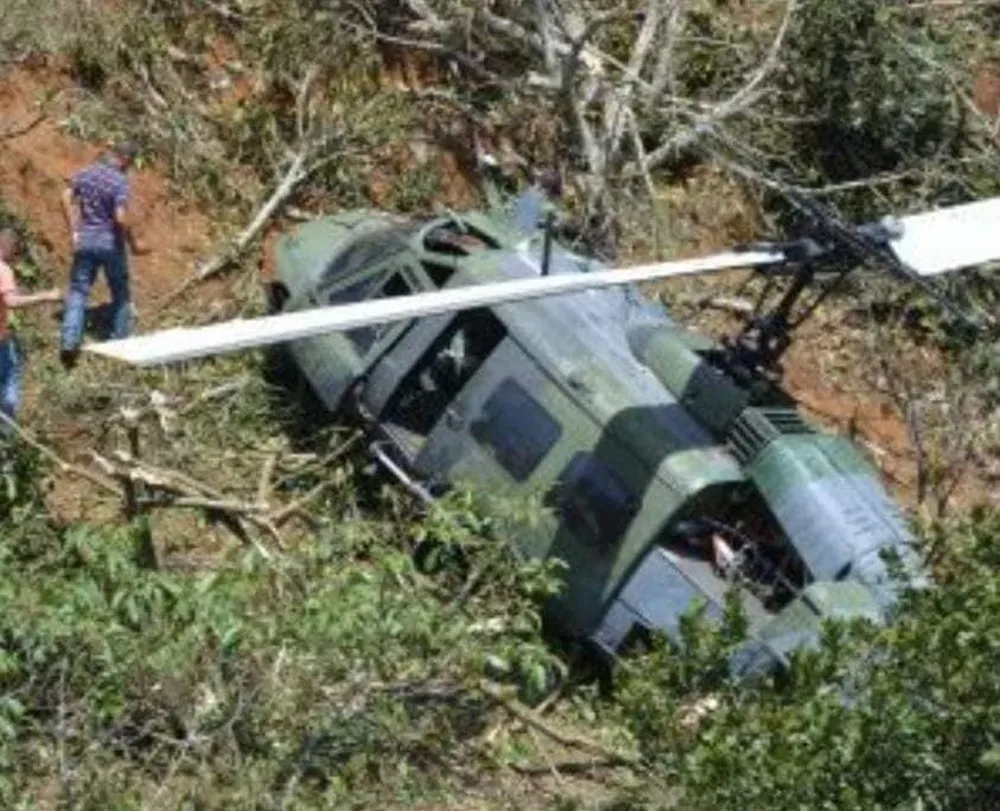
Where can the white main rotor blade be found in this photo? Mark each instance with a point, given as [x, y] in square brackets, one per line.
[951, 238]
[181, 344]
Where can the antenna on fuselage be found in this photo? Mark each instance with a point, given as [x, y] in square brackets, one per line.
[549, 224]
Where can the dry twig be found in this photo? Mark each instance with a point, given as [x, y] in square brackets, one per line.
[171, 488]
[266, 474]
[297, 507]
[58, 461]
[566, 739]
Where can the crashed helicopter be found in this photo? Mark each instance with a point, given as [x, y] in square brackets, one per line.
[477, 348]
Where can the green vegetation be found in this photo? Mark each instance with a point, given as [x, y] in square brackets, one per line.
[385, 656]
[335, 676]
[342, 674]
[901, 719]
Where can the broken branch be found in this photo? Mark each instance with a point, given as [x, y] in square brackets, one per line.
[236, 507]
[297, 507]
[640, 152]
[176, 489]
[289, 183]
[266, 474]
[214, 393]
[58, 461]
[567, 739]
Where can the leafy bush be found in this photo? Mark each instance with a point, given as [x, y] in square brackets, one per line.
[900, 718]
[335, 672]
[871, 90]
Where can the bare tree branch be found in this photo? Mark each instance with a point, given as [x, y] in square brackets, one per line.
[58, 461]
[311, 155]
[739, 101]
[567, 739]
[643, 161]
[663, 72]
[17, 130]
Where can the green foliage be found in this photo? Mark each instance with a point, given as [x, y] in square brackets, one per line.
[904, 717]
[345, 671]
[220, 103]
[319, 676]
[873, 89]
[26, 25]
[416, 190]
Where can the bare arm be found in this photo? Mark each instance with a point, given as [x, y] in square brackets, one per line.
[124, 222]
[69, 211]
[16, 300]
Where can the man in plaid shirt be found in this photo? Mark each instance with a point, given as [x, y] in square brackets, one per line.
[95, 204]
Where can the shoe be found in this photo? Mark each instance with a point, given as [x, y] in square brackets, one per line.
[68, 358]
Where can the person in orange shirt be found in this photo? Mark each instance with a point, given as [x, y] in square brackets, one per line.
[10, 297]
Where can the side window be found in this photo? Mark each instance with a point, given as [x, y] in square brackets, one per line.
[592, 501]
[516, 428]
[365, 337]
[447, 365]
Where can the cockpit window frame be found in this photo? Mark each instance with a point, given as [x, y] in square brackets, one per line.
[386, 244]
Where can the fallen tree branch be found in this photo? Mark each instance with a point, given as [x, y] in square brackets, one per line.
[297, 506]
[165, 477]
[567, 739]
[176, 489]
[647, 178]
[617, 109]
[266, 475]
[236, 507]
[280, 516]
[214, 393]
[58, 461]
[289, 183]
[134, 490]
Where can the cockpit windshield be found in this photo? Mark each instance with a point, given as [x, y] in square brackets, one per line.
[371, 248]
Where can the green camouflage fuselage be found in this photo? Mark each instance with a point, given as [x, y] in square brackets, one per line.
[654, 464]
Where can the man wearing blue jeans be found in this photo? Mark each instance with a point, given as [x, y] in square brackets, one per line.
[95, 204]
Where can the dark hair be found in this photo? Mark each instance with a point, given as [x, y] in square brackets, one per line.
[550, 182]
[125, 150]
[10, 240]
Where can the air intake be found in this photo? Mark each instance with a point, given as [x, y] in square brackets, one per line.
[756, 428]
